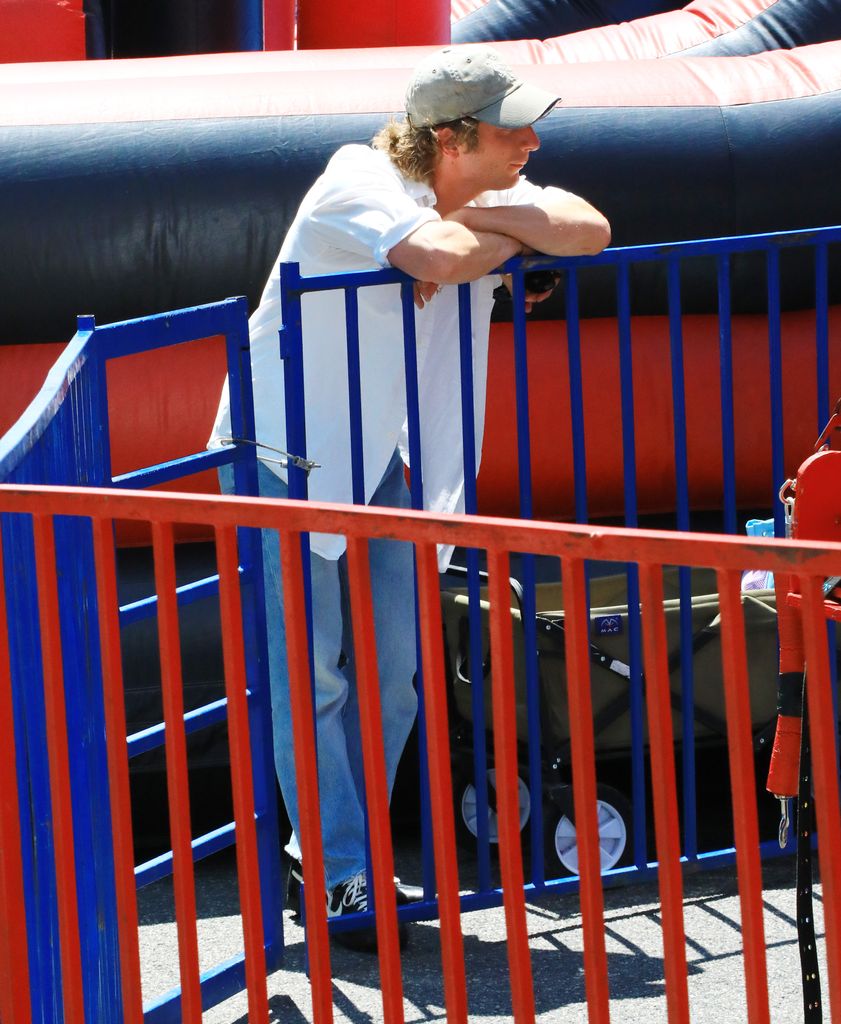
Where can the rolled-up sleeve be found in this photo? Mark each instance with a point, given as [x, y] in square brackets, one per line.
[363, 208]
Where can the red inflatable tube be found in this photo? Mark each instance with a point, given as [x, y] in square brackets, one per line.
[550, 429]
[336, 83]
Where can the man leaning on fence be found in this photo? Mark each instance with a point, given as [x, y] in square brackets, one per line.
[441, 196]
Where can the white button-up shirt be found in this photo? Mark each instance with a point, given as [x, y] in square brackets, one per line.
[358, 210]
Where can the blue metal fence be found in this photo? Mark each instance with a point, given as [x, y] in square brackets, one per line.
[63, 438]
[621, 263]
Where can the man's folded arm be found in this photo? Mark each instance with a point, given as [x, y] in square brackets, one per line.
[448, 252]
[557, 223]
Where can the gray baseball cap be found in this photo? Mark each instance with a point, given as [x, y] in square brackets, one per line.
[473, 82]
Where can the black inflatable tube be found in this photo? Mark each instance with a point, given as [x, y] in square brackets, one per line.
[539, 19]
[782, 24]
[785, 24]
[120, 220]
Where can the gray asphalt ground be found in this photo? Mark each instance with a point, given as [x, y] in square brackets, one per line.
[634, 945]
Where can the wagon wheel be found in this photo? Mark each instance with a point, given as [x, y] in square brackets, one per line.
[615, 819]
[466, 810]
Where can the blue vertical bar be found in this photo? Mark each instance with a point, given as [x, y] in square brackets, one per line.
[728, 430]
[521, 385]
[86, 460]
[291, 340]
[576, 394]
[241, 397]
[354, 395]
[357, 461]
[468, 411]
[37, 847]
[254, 630]
[529, 609]
[292, 354]
[678, 394]
[410, 357]
[776, 388]
[88, 773]
[250, 24]
[626, 377]
[822, 333]
[477, 693]
[687, 674]
[20, 782]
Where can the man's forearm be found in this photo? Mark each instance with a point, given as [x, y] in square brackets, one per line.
[562, 225]
[449, 252]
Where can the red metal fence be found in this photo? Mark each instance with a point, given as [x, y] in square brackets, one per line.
[807, 563]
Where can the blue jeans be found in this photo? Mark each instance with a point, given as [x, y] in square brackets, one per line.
[338, 737]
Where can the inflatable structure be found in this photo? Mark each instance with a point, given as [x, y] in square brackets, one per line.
[476, 21]
[130, 187]
[577, 32]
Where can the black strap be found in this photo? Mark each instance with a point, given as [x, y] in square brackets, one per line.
[812, 1007]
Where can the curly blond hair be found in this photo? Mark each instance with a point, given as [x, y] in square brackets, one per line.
[414, 150]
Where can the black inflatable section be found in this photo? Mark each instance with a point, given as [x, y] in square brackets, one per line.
[784, 25]
[161, 28]
[545, 19]
[744, 169]
[121, 220]
[124, 220]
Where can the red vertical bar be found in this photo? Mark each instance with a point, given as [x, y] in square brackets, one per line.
[59, 767]
[118, 771]
[507, 786]
[248, 867]
[584, 789]
[743, 788]
[306, 773]
[664, 788]
[41, 31]
[178, 791]
[329, 24]
[441, 783]
[825, 776]
[15, 1004]
[376, 789]
[278, 24]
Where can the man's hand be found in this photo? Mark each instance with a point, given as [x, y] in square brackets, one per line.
[530, 297]
[424, 291]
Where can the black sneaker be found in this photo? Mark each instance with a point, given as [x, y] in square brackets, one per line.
[404, 892]
[294, 881]
[348, 897]
[407, 893]
[351, 897]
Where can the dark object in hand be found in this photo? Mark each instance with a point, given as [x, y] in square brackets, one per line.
[538, 281]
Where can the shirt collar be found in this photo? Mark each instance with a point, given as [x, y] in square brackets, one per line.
[422, 194]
